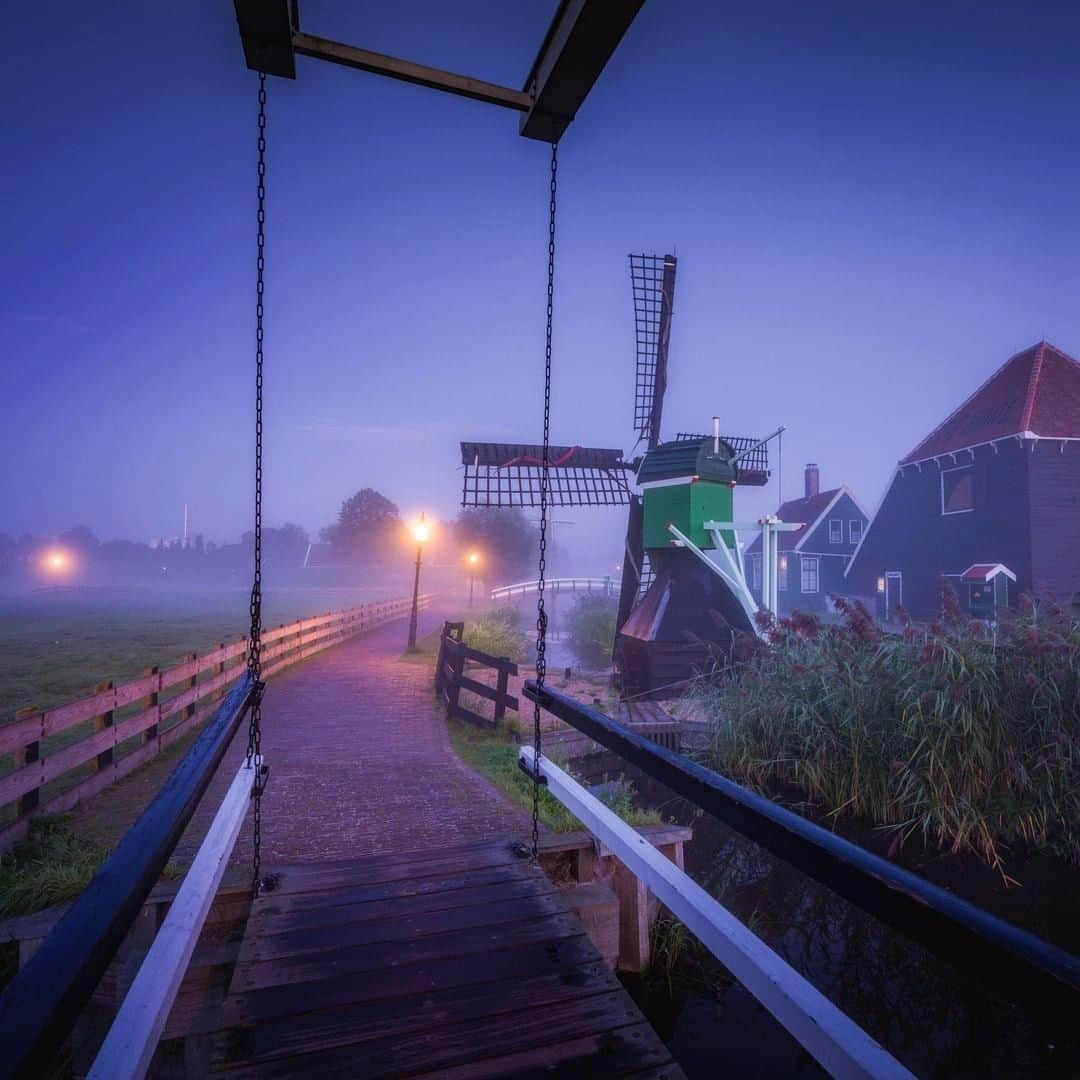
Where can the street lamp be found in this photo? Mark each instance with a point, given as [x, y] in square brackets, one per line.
[420, 532]
[474, 562]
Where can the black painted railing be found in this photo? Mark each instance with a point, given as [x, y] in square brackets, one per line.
[40, 1005]
[1021, 967]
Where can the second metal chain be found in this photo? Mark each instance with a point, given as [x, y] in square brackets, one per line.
[541, 614]
[254, 746]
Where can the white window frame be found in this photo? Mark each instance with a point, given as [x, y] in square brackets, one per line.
[855, 531]
[781, 572]
[755, 570]
[966, 510]
[838, 536]
[804, 564]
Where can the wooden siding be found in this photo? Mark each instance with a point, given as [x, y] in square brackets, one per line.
[910, 534]
[1054, 487]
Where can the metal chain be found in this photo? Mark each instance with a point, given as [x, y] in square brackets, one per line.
[254, 666]
[541, 614]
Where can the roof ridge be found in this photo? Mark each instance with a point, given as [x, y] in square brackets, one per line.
[1033, 386]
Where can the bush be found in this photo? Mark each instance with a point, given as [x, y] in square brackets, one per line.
[591, 626]
[966, 733]
[499, 633]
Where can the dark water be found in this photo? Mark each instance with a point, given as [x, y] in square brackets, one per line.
[936, 1020]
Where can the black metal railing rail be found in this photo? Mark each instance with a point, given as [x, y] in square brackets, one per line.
[1021, 967]
[39, 1007]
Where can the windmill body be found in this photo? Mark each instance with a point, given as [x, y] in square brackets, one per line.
[677, 611]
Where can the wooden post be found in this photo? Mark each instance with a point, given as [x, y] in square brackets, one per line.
[633, 897]
[189, 710]
[27, 755]
[151, 701]
[105, 720]
[501, 689]
[220, 671]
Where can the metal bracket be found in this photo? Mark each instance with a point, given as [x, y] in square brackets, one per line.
[262, 778]
[541, 780]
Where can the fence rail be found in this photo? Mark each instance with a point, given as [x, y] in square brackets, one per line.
[450, 677]
[56, 766]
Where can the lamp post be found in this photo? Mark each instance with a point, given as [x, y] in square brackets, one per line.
[474, 562]
[420, 534]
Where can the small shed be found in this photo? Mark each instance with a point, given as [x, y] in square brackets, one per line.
[987, 586]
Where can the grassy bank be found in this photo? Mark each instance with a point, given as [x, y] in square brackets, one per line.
[966, 734]
[494, 754]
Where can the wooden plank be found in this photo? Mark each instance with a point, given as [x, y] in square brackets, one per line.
[25, 728]
[405, 1017]
[835, 1040]
[490, 692]
[459, 1044]
[629, 1051]
[130, 1044]
[403, 926]
[313, 967]
[77, 712]
[269, 921]
[347, 895]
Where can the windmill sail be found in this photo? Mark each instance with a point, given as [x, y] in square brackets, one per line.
[510, 474]
[653, 280]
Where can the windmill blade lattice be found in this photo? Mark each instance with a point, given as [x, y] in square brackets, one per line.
[653, 280]
[510, 474]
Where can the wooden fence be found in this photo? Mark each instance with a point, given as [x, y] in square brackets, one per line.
[67, 754]
[450, 677]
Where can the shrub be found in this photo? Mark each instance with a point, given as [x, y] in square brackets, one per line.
[591, 626]
[498, 633]
[966, 733]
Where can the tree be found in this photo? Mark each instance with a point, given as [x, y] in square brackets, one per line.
[505, 539]
[80, 538]
[367, 524]
[285, 544]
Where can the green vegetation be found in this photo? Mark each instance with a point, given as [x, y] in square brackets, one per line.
[591, 626]
[967, 734]
[51, 866]
[499, 632]
[494, 754]
[57, 646]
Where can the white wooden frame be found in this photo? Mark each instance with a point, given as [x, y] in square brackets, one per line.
[833, 1038]
[129, 1047]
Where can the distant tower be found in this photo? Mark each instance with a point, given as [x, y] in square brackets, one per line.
[184, 541]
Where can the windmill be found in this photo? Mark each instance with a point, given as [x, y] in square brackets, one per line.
[676, 605]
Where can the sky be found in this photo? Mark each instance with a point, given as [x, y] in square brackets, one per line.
[873, 207]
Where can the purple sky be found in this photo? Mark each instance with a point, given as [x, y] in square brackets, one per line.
[872, 210]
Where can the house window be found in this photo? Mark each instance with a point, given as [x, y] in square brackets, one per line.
[957, 490]
[755, 571]
[854, 531]
[836, 531]
[781, 572]
[809, 574]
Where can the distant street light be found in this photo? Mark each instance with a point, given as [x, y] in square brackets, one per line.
[56, 561]
[421, 531]
[474, 562]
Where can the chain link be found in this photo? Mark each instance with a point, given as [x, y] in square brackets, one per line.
[541, 613]
[254, 666]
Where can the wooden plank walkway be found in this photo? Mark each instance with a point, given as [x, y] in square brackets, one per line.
[458, 962]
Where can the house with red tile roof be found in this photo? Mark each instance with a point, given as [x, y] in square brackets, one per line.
[812, 560]
[990, 498]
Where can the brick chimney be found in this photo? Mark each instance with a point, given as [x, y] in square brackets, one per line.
[813, 480]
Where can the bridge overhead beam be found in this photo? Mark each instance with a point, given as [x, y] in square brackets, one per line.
[578, 44]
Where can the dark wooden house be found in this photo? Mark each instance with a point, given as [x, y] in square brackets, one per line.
[990, 499]
[813, 559]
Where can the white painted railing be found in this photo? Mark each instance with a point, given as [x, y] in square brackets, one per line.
[833, 1038]
[608, 586]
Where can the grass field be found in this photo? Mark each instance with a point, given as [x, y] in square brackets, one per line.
[56, 646]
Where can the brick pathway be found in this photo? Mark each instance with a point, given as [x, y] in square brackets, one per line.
[360, 764]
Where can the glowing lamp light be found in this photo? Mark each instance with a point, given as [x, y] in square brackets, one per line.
[474, 558]
[56, 561]
[880, 584]
[783, 562]
[421, 531]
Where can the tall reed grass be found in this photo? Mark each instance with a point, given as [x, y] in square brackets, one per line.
[964, 732]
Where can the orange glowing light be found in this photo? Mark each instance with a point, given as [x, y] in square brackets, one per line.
[474, 558]
[421, 530]
[56, 561]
